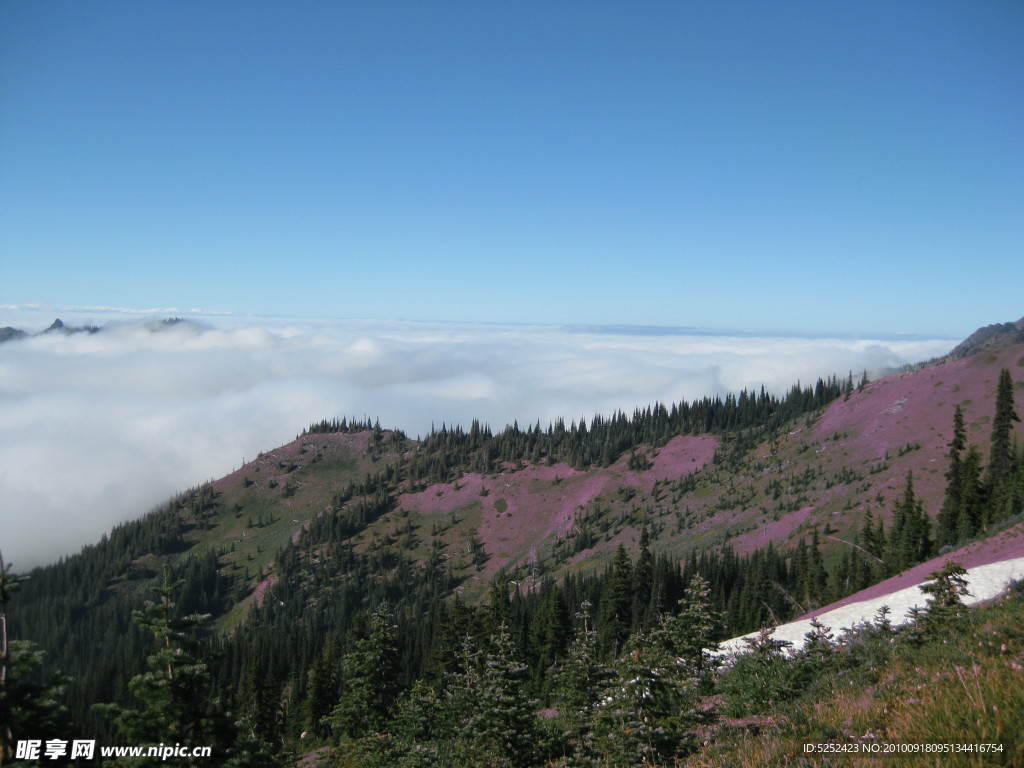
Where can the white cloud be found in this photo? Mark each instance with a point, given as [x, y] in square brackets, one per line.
[96, 429]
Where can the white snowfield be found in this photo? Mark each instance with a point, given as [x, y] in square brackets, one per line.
[983, 583]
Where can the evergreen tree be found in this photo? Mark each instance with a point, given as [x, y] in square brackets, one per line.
[29, 708]
[815, 576]
[816, 656]
[689, 636]
[945, 603]
[867, 534]
[370, 674]
[946, 533]
[971, 516]
[498, 610]
[760, 677]
[580, 677]
[549, 634]
[1001, 457]
[421, 715]
[490, 712]
[642, 715]
[321, 695]
[616, 604]
[910, 539]
[175, 694]
[643, 581]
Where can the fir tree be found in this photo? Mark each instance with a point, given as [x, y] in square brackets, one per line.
[175, 694]
[910, 539]
[321, 695]
[760, 677]
[689, 636]
[640, 716]
[549, 634]
[643, 579]
[489, 710]
[29, 708]
[1001, 457]
[616, 604]
[971, 516]
[946, 533]
[370, 673]
[945, 598]
[580, 677]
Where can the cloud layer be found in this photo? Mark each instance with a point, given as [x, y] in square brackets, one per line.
[97, 429]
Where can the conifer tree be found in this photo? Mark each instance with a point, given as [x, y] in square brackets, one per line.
[1001, 457]
[616, 604]
[176, 702]
[370, 673]
[759, 678]
[946, 534]
[817, 576]
[29, 708]
[971, 516]
[910, 539]
[489, 710]
[640, 716]
[643, 579]
[582, 674]
[945, 598]
[549, 634]
[688, 636]
[321, 695]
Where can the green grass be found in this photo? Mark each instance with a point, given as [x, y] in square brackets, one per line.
[965, 687]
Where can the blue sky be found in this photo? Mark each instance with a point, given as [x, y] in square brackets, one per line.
[791, 166]
[399, 209]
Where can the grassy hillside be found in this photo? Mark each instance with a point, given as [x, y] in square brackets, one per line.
[954, 691]
[464, 531]
[745, 488]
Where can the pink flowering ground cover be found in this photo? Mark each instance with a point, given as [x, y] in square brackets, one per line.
[523, 507]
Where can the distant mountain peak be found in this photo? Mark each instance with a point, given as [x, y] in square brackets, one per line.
[990, 337]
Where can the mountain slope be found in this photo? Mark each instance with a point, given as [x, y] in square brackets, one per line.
[292, 552]
[990, 337]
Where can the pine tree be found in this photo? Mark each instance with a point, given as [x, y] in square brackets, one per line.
[370, 673]
[946, 534]
[581, 676]
[176, 701]
[616, 604]
[688, 637]
[1001, 457]
[971, 515]
[489, 711]
[640, 718]
[29, 708]
[643, 579]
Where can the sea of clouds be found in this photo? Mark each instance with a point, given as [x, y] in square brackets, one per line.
[99, 428]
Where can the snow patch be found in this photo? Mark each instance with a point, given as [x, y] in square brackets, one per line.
[984, 582]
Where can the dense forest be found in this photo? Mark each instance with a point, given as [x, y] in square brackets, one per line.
[447, 452]
[377, 655]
